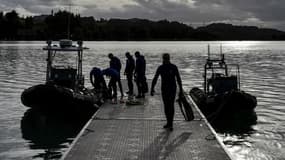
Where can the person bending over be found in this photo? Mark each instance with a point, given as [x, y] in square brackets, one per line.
[114, 79]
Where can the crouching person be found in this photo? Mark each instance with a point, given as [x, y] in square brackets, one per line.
[112, 86]
[98, 82]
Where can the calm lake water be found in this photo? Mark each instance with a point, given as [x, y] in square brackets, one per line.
[26, 135]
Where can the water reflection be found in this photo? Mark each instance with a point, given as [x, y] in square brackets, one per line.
[51, 133]
[235, 130]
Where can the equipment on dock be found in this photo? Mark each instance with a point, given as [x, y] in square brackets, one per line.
[222, 101]
[185, 107]
[64, 87]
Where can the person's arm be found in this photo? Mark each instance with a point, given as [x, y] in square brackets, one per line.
[127, 66]
[132, 65]
[154, 80]
[136, 69]
[91, 78]
[111, 64]
[119, 64]
[143, 66]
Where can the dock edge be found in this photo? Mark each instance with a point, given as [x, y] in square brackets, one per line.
[79, 135]
[193, 104]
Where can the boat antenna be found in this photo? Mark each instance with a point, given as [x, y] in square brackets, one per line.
[221, 49]
[209, 52]
[68, 22]
[221, 53]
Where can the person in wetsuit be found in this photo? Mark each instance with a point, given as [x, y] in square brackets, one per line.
[129, 72]
[97, 79]
[169, 76]
[98, 82]
[114, 78]
[115, 64]
[140, 74]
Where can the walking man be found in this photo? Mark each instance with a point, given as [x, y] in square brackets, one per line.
[140, 74]
[129, 72]
[115, 64]
[169, 76]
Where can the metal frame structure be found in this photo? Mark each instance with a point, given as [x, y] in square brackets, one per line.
[52, 51]
[214, 65]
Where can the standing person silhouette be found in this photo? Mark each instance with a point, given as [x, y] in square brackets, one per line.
[169, 76]
[140, 73]
[115, 64]
[129, 72]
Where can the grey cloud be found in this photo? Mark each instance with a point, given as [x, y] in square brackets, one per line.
[164, 9]
[269, 12]
[34, 6]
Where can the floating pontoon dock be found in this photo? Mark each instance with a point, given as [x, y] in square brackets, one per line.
[135, 132]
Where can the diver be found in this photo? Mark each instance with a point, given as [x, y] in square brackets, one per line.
[169, 75]
[115, 64]
[140, 74]
[98, 82]
[114, 79]
[129, 72]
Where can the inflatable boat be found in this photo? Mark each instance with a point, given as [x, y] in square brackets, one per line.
[64, 87]
[221, 100]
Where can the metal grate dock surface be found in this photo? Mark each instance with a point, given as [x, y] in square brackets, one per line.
[121, 132]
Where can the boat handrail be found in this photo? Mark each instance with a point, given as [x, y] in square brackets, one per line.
[63, 67]
[57, 48]
[65, 45]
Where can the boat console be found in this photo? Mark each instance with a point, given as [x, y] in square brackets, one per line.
[63, 76]
[217, 79]
[222, 84]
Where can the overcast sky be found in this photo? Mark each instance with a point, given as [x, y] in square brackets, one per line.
[262, 13]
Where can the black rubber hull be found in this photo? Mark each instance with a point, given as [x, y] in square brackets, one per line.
[233, 110]
[52, 97]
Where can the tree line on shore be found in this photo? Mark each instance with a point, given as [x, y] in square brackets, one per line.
[57, 25]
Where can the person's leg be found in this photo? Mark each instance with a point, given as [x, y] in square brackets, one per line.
[144, 86]
[113, 87]
[141, 81]
[139, 87]
[130, 84]
[105, 90]
[169, 100]
[120, 86]
[171, 110]
[110, 88]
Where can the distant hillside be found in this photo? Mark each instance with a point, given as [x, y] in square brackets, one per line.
[141, 29]
[54, 27]
[221, 31]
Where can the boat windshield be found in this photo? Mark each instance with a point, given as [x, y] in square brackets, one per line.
[65, 60]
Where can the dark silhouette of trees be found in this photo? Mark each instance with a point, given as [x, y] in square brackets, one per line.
[141, 29]
[2, 23]
[57, 25]
[60, 23]
[10, 23]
